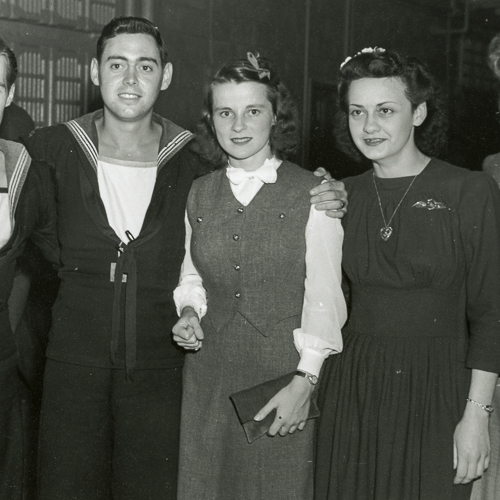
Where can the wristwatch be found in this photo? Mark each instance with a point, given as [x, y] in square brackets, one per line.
[313, 380]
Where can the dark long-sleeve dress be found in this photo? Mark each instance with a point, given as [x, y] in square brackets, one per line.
[425, 309]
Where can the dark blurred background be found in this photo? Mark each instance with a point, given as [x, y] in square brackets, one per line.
[55, 41]
[308, 39]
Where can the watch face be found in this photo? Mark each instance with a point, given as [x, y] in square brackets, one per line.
[312, 378]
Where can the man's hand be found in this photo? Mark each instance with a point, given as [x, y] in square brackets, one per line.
[187, 331]
[330, 196]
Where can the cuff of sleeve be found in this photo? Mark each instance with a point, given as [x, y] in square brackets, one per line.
[311, 362]
[483, 359]
[200, 309]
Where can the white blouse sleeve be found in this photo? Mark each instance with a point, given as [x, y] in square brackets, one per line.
[190, 291]
[324, 311]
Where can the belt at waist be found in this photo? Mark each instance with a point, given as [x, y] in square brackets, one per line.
[392, 312]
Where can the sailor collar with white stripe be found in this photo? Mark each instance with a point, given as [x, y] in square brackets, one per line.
[17, 163]
[172, 140]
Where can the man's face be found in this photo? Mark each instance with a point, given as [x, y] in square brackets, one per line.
[130, 76]
[6, 95]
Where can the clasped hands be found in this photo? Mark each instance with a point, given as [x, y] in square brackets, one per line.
[291, 403]
[187, 332]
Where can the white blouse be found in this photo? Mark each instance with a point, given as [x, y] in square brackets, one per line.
[324, 310]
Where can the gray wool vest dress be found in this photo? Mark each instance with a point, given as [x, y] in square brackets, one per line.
[252, 261]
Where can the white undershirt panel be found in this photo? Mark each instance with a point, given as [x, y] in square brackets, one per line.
[126, 188]
[5, 222]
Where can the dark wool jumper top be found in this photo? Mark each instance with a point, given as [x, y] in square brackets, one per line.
[32, 203]
[259, 242]
[97, 320]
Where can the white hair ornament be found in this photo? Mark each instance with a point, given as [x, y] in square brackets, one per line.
[367, 50]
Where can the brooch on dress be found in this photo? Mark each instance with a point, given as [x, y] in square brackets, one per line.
[431, 204]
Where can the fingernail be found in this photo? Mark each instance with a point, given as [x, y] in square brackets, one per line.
[257, 417]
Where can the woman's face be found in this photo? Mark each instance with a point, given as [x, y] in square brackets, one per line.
[243, 118]
[381, 119]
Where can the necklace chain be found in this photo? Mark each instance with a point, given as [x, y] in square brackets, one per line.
[386, 231]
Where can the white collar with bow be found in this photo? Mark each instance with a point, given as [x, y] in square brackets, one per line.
[245, 185]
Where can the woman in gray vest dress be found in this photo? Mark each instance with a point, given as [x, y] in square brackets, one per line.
[406, 408]
[262, 273]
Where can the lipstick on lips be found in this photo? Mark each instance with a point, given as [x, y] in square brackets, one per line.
[373, 142]
[241, 140]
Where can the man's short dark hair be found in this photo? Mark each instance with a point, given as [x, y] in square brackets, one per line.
[131, 26]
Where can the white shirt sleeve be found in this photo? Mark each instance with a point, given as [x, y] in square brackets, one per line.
[190, 291]
[324, 311]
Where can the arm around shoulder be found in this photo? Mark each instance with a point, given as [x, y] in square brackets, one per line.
[330, 195]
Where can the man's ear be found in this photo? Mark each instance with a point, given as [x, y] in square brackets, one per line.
[420, 114]
[10, 97]
[94, 72]
[167, 76]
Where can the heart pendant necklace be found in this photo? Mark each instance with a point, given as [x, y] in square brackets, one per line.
[386, 231]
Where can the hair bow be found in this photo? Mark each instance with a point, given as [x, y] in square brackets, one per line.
[263, 73]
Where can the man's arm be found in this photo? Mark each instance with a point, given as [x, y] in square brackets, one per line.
[45, 230]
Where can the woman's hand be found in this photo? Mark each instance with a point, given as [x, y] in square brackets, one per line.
[292, 407]
[471, 445]
[187, 331]
[330, 196]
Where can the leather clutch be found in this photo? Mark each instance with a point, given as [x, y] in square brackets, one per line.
[249, 401]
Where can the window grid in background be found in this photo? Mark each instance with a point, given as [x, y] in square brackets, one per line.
[53, 84]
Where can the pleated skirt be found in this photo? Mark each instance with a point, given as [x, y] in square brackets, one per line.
[389, 407]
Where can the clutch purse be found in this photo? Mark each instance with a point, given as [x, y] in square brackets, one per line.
[249, 401]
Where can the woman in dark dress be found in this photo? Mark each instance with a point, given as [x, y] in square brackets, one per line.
[405, 408]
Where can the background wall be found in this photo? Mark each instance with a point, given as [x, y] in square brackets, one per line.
[307, 38]
[310, 38]
[204, 34]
